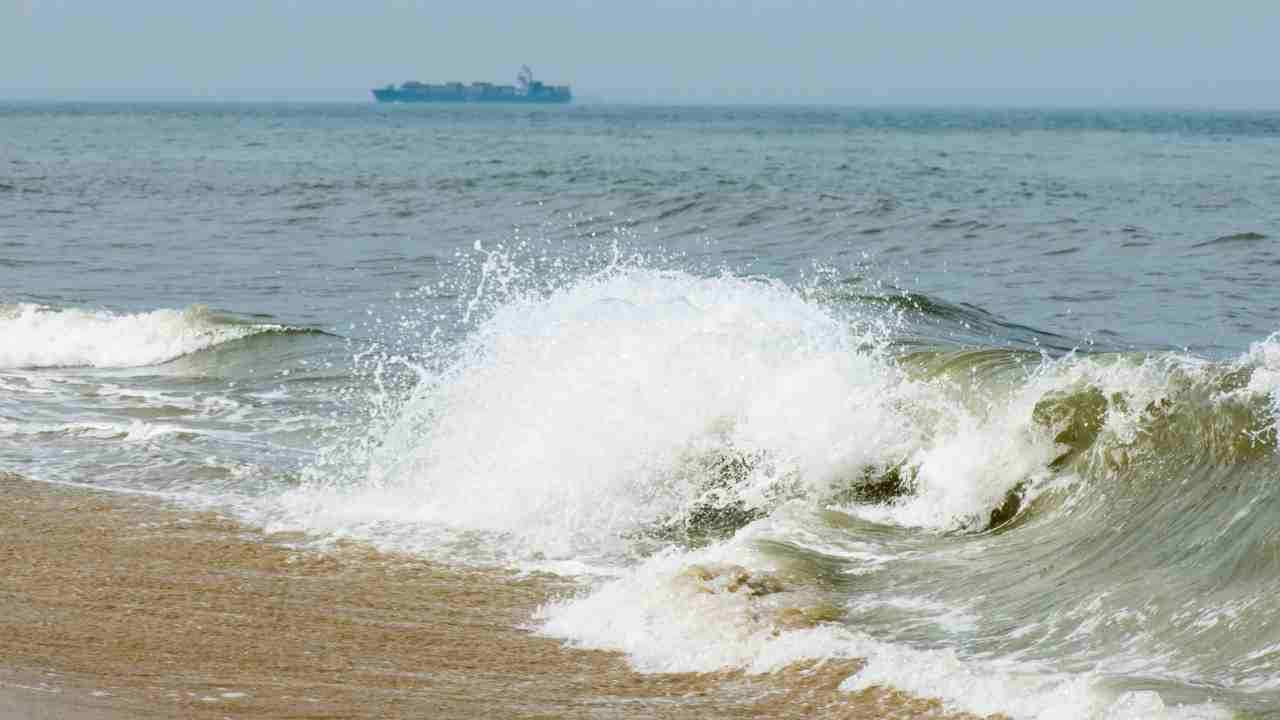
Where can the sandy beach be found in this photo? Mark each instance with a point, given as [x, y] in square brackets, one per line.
[116, 606]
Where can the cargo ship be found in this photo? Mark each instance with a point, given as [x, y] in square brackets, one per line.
[526, 90]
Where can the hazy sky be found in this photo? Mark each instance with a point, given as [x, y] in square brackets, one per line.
[1007, 52]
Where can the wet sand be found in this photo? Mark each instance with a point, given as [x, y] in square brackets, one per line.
[117, 606]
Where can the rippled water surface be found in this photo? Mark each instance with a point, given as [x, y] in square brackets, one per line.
[986, 397]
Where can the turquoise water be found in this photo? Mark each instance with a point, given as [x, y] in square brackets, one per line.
[991, 392]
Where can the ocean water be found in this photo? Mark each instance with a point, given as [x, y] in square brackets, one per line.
[987, 397]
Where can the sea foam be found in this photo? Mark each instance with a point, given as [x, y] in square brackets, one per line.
[37, 336]
[573, 419]
[663, 624]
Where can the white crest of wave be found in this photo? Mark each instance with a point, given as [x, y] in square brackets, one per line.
[977, 451]
[572, 419]
[1264, 358]
[36, 336]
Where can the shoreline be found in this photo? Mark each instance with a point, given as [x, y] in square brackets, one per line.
[116, 606]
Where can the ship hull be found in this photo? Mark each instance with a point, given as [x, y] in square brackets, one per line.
[384, 95]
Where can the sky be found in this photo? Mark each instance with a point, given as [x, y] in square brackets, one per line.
[1091, 53]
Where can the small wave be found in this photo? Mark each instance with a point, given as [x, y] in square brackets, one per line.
[1233, 239]
[134, 431]
[957, 320]
[1062, 251]
[677, 207]
[37, 336]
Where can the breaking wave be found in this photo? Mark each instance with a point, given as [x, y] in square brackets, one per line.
[747, 473]
[38, 336]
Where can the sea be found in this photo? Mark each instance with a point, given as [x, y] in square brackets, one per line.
[986, 397]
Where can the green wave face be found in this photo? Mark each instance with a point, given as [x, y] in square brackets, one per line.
[1144, 538]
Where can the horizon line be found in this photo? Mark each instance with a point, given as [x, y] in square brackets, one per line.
[595, 99]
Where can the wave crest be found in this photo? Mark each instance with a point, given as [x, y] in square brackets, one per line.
[38, 336]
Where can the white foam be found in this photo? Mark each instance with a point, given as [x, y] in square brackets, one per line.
[1264, 381]
[666, 624]
[1264, 357]
[921, 609]
[989, 687]
[132, 431]
[36, 336]
[574, 418]
[976, 452]
[964, 473]
[570, 419]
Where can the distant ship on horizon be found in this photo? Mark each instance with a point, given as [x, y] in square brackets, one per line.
[526, 90]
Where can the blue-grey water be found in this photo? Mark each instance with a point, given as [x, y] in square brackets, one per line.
[991, 392]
